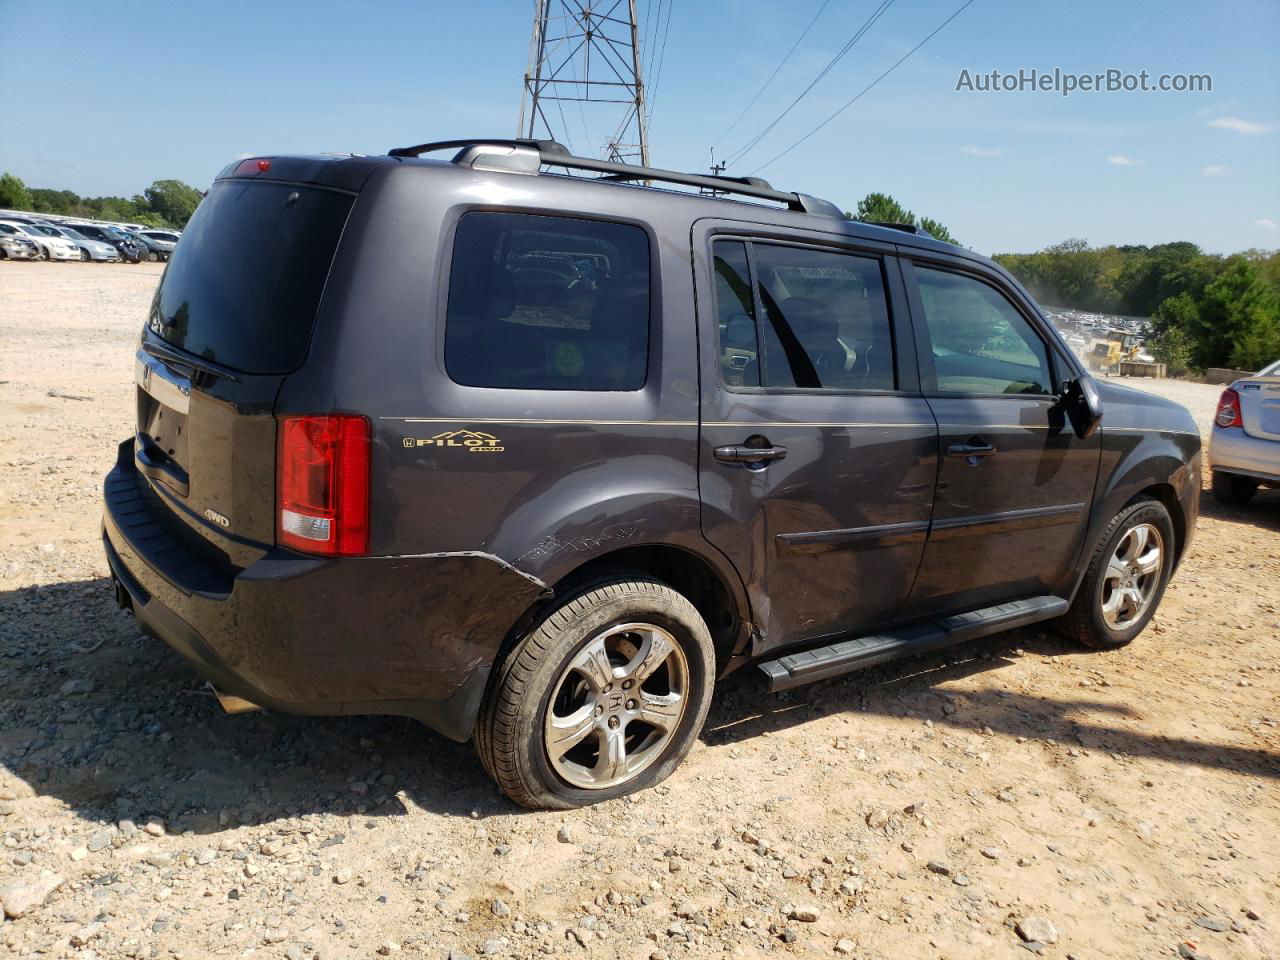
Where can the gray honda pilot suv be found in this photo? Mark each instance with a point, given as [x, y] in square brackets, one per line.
[534, 448]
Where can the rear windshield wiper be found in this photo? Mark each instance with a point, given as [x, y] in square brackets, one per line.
[189, 360]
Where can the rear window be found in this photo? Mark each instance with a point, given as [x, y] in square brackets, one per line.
[547, 303]
[243, 287]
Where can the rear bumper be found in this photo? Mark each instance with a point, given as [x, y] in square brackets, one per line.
[1233, 451]
[412, 636]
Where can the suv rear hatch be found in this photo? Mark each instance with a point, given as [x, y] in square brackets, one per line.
[1260, 406]
[233, 315]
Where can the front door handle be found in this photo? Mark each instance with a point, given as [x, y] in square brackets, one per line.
[974, 449]
[741, 453]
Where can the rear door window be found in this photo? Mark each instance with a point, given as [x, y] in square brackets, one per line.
[244, 287]
[823, 319]
[547, 303]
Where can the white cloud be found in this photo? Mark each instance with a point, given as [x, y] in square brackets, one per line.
[1214, 170]
[981, 151]
[1120, 160]
[1239, 126]
[1268, 223]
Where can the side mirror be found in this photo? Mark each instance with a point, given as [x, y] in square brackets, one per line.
[1082, 405]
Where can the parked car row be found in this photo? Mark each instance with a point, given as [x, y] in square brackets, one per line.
[44, 238]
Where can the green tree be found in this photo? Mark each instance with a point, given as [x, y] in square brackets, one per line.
[14, 194]
[937, 231]
[1235, 322]
[173, 200]
[1172, 347]
[882, 208]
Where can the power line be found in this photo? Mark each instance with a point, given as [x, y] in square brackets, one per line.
[652, 98]
[652, 19]
[849, 45]
[782, 63]
[860, 93]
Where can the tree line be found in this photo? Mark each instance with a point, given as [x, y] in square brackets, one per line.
[1207, 310]
[166, 203]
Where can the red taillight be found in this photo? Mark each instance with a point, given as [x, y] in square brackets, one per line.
[324, 484]
[1229, 410]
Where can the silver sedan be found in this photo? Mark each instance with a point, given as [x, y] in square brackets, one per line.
[1244, 452]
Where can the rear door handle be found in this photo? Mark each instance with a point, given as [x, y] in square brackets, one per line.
[741, 453]
[965, 451]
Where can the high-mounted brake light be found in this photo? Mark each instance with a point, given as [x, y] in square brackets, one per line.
[252, 166]
[1229, 414]
[323, 479]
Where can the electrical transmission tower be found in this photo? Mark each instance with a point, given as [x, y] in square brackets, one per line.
[585, 58]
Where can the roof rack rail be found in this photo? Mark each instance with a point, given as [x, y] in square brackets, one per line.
[904, 227]
[528, 156]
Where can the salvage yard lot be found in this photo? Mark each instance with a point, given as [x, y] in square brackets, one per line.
[1101, 804]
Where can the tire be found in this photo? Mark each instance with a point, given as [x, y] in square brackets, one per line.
[84, 256]
[633, 620]
[1232, 489]
[1087, 622]
[153, 257]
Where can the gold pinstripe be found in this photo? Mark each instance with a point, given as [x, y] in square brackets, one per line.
[517, 421]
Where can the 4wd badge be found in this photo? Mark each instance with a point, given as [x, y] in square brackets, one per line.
[220, 519]
[472, 441]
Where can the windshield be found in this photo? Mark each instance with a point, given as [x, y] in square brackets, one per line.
[1271, 371]
[244, 289]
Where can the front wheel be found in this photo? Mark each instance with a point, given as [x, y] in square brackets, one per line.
[84, 256]
[603, 697]
[1126, 578]
[1234, 490]
[153, 257]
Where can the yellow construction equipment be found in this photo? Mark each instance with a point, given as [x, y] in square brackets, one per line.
[1114, 346]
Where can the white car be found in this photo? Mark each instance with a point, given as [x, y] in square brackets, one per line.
[1244, 452]
[51, 248]
[90, 249]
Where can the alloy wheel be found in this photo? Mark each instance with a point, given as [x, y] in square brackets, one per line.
[1132, 575]
[616, 706]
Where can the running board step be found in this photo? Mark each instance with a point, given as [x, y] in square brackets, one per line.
[846, 656]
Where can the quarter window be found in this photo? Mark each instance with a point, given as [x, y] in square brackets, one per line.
[547, 303]
[981, 344]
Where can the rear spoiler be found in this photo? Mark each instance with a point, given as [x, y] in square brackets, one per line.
[339, 171]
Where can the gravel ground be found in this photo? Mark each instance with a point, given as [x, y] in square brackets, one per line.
[1009, 795]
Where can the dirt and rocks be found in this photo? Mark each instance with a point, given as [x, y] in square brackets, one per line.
[1011, 795]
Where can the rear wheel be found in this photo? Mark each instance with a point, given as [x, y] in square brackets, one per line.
[1126, 578]
[1232, 489]
[603, 697]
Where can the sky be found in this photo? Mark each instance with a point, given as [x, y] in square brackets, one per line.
[105, 98]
